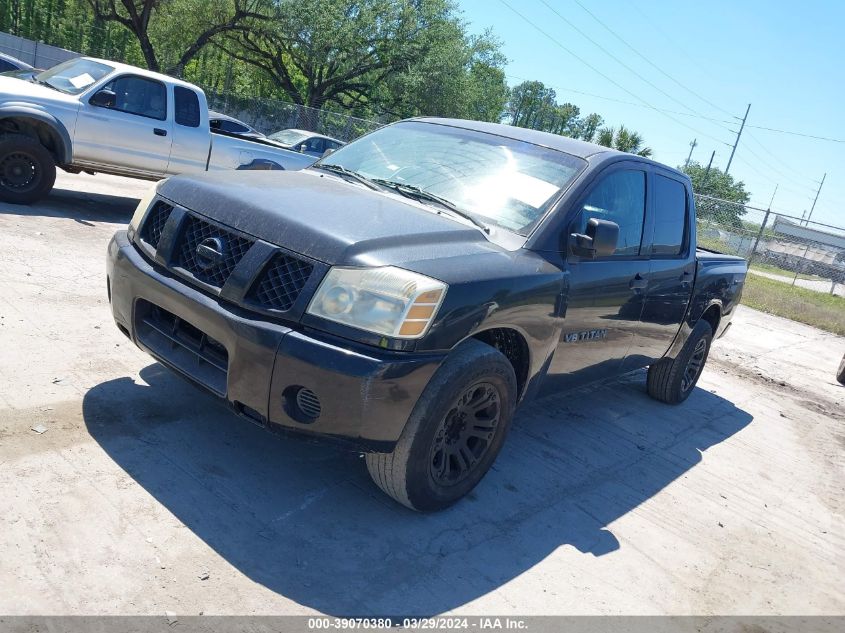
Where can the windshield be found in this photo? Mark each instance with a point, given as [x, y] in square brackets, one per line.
[289, 137]
[74, 75]
[497, 180]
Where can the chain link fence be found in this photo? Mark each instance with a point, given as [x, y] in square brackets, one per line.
[271, 115]
[777, 245]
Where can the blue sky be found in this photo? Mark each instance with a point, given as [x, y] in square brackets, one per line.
[787, 59]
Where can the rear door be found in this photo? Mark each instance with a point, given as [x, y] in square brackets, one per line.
[671, 268]
[605, 295]
[134, 135]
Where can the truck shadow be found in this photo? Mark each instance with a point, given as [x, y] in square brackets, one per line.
[305, 521]
[82, 206]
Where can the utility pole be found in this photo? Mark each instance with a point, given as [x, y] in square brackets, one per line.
[818, 191]
[762, 227]
[707, 171]
[738, 134]
[691, 147]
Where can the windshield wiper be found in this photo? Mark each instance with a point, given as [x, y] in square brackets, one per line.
[343, 171]
[411, 191]
[36, 80]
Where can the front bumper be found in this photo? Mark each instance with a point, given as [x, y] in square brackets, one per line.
[365, 394]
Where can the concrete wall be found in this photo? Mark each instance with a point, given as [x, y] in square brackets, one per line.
[37, 54]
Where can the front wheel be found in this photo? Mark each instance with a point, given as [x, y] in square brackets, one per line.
[840, 375]
[454, 433]
[672, 380]
[27, 169]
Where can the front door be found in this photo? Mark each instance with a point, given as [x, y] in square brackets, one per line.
[134, 135]
[603, 297]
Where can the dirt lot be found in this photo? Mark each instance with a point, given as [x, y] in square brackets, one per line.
[144, 495]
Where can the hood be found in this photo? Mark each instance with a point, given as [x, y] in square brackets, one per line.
[327, 218]
[13, 89]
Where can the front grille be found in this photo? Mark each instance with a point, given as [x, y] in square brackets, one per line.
[182, 345]
[154, 224]
[279, 285]
[197, 231]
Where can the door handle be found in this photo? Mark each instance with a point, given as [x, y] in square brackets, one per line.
[638, 283]
[159, 132]
[686, 276]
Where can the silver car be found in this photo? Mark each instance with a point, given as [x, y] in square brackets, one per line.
[305, 142]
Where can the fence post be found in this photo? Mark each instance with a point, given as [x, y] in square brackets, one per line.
[759, 235]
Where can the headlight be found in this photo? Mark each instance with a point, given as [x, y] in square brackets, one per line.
[140, 211]
[387, 300]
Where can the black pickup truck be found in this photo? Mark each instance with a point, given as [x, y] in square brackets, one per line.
[406, 293]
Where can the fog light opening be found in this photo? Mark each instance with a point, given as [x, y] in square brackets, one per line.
[301, 404]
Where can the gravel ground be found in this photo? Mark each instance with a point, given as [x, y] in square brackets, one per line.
[143, 495]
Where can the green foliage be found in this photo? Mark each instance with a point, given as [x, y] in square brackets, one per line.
[622, 139]
[716, 183]
[819, 309]
[731, 194]
[534, 105]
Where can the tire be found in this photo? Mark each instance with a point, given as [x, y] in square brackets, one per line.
[840, 375]
[672, 381]
[27, 169]
[439, 458]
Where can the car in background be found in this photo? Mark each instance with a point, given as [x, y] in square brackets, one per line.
[219, 122]
[95, 115]
[9, 63]
[305, 142]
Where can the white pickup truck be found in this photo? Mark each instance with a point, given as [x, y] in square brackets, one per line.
[100, 116]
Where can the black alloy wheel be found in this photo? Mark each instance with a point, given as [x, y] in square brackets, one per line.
[694, 365]
[465, 434]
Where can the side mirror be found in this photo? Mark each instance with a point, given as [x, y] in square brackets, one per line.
[103, 99]
[327, 152]
[600, 240]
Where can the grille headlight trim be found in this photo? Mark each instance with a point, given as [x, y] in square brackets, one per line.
[140, 211]
[386, 300]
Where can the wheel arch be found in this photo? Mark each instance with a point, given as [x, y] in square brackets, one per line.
[713, 315]
[514, 346]
[49, 131]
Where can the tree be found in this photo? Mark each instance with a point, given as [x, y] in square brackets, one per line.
[624, 140]
[718, 184]
[460, 76]
[533, 105]
[209, 19]
[337, 50]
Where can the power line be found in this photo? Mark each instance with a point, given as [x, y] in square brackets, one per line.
[601, 74]
[788, 176]
[818, 138]
[615, 58]
[623, 102]
[647, 60]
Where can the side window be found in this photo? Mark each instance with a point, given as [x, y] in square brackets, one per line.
[670, 216]
[139, 95]
[4, 66]
[312, 145]
[620, 198]
[187, 106]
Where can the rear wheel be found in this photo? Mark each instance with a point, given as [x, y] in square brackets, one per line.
[840, 375]
[27, 169]
[672, 380]
[455, 432]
